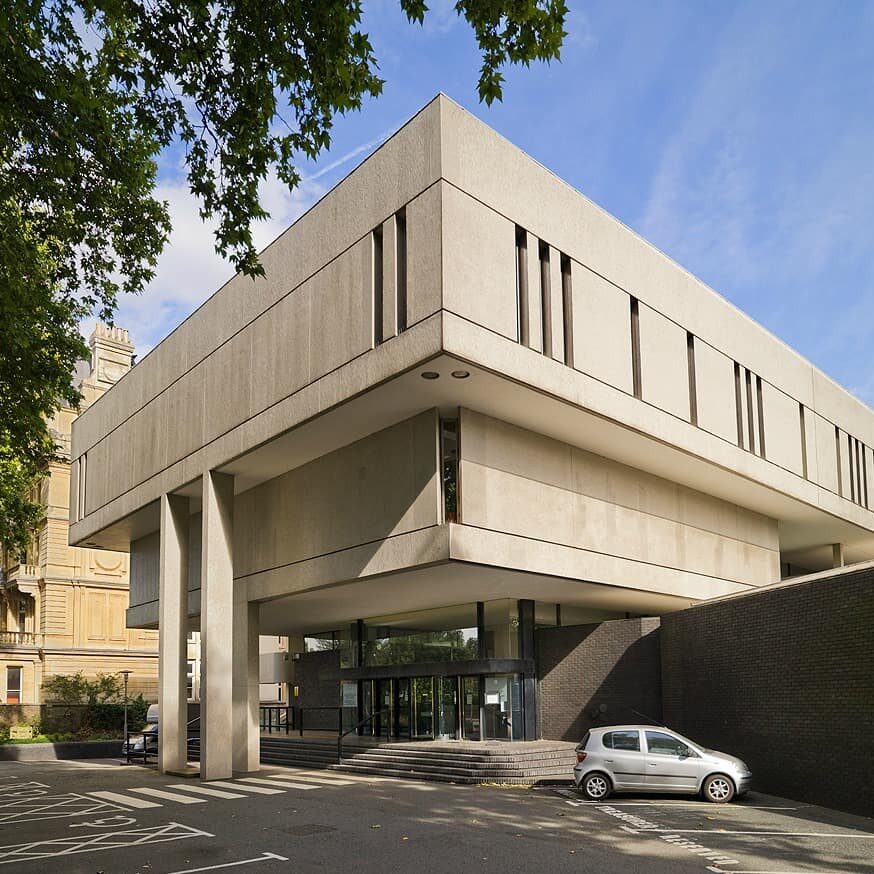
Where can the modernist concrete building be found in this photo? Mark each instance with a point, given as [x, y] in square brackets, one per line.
[464, 402]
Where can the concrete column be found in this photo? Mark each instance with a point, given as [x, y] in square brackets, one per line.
[246, 671]
[216, 626]
[173, 630]
[837, 555]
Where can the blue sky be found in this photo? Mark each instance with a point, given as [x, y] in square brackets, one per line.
[736, 137]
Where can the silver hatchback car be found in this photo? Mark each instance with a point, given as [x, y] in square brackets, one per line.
[651, 758]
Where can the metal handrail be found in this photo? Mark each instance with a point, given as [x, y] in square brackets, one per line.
[268, 709]
[355, 728]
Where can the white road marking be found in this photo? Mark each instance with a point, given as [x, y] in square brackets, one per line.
[261, 790]
[167, 796]
[138, 803]
[68, 763]
[325, 781]
[701, 805]
[205, 790]
[34, 850]
[727, 871]
[264, 857]
[725, 831]
[285, 785]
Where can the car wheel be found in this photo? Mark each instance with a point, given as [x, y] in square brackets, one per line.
[718, 789]
[596, 787]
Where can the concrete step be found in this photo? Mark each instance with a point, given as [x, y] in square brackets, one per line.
[453, 770]
[423, 762]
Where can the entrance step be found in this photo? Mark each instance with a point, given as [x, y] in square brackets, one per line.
[455, 762]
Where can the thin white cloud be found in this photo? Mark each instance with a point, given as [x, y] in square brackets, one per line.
[350, 156]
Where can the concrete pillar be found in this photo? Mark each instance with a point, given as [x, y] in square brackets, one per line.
[173, 630]
[216, 627]
[837, 555]
[246, 693]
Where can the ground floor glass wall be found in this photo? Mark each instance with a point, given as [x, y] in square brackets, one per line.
[477, 669]
[443, 708]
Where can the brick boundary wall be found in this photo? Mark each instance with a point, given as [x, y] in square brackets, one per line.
[597, 674]
[783, 678]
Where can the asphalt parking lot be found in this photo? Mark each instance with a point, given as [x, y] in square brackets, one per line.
[100, 817]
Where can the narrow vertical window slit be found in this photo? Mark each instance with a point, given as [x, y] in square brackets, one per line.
[545, 299]
[803, 426]
[636, 375]
[760, 408]
[376, 283]
[738, 405]
[401, 269]
[751, 419]
[693, 387]
[522, 284]
[567, 309]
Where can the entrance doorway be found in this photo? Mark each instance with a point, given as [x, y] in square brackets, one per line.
[444, 708]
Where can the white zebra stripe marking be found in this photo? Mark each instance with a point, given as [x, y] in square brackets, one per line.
[323, 781]
[284, 784]
[261, 790]
[205, 790]
[139, 803]
[168, 796]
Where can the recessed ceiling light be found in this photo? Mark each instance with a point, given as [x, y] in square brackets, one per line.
[461, 374]
[430, 374]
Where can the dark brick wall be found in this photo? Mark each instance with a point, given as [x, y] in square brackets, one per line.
[785, 679]
[317, 676]
[596, 675]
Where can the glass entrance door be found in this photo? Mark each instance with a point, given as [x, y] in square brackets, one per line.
[470, 708]
[423, 708]
[502, 707]
[384, 707]
[447, 707]
[402, 708]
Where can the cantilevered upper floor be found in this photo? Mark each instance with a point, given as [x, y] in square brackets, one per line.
[451, 271]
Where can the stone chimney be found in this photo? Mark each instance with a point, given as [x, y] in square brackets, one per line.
[111, 355]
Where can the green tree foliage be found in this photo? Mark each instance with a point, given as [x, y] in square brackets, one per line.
[91, 92]
[103, 700]
[78, 689]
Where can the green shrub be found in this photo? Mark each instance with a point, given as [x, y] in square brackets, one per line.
[110, 716]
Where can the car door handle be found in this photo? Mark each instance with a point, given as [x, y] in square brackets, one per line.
[608, 761]
[653, 764]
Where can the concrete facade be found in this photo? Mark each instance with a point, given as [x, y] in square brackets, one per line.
[461, 381]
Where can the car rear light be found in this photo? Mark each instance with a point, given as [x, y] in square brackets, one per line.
[581, 756]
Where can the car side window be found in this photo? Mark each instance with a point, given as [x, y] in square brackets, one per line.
[623, 740]
[665, 744]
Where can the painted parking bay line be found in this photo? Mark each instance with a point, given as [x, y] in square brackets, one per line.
[283, 784]
[724, 831]
[264, 857]
[167, 796]
[139, 803]
[261, 790]
[205, 790]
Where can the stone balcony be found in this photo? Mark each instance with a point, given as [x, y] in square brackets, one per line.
[16, 639]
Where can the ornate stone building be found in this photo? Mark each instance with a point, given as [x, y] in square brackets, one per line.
[62, 608]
